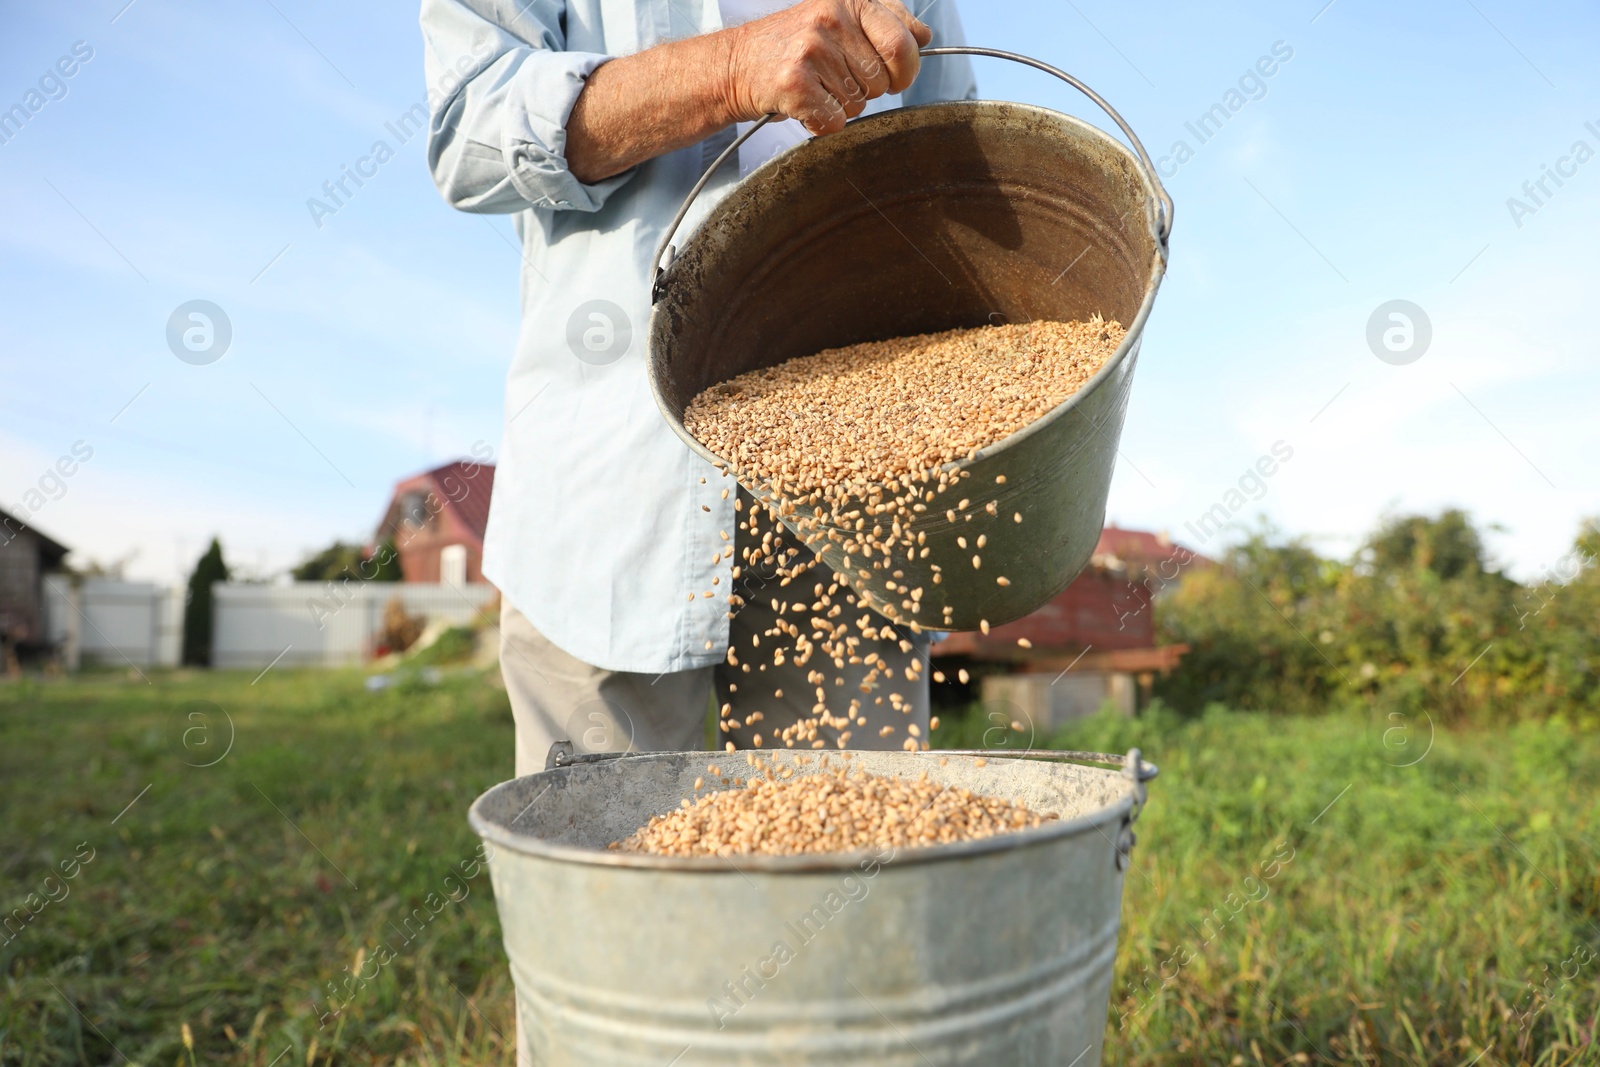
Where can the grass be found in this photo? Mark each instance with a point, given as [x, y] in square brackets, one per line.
[1294, 896]
[1300, 895]
[220, 899]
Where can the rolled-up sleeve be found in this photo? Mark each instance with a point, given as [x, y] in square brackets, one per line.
[942, 77]
[499, 99]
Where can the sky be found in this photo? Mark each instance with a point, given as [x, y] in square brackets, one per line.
[1375, 164]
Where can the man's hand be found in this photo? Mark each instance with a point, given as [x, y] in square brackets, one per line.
[820, 61]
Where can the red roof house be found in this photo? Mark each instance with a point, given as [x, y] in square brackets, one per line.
[1142, 551]
[437, 519]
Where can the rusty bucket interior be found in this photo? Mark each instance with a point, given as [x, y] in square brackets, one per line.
[918, 220]
[911, 221]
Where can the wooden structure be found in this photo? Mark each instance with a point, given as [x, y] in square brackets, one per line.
[1093, 643]
[26, 556]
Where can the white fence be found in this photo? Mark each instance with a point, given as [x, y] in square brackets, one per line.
[308, 624]
[106, 621]
[318, 624]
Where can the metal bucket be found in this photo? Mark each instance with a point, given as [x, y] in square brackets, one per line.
[997, 951]
[923, 219]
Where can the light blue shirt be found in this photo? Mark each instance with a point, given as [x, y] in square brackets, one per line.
[597, 531]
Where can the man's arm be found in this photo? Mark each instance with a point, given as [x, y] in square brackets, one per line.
[818, 62]
[507, 132]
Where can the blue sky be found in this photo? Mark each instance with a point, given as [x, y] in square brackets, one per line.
[1376, 165]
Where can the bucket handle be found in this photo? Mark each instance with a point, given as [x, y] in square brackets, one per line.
[1164, 200]
[665, 250]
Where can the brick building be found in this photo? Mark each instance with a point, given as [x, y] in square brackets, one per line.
[436, 520]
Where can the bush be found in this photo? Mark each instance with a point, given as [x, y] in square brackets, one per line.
[400, 629]
[340, 560]
[455, 645]
[1418, 622]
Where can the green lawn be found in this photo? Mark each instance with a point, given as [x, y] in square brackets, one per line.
[1295, 897]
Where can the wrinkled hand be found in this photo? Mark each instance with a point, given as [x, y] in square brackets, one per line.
[820, 61]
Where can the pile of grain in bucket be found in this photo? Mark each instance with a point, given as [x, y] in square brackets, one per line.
[777, 813]
[851, 418]
[855, 445]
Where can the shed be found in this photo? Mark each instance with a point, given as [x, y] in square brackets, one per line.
[1092, 643]
[26, 556]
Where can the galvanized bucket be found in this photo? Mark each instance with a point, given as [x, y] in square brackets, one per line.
[923, 219]
[997, 951]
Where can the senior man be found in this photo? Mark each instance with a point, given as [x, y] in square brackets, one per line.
[588, 121]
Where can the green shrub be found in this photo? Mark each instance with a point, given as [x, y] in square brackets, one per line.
[1418, 623]
[454, 645]
[350, 562]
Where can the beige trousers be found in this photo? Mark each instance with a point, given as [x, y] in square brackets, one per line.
[556, 697]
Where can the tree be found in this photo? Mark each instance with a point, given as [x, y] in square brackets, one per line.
[340, 560]
[198, 607]
[1256, 626]
[1418, 626]
[329, 564]
[1560, 614]
[384, 563]
[1449, 545]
